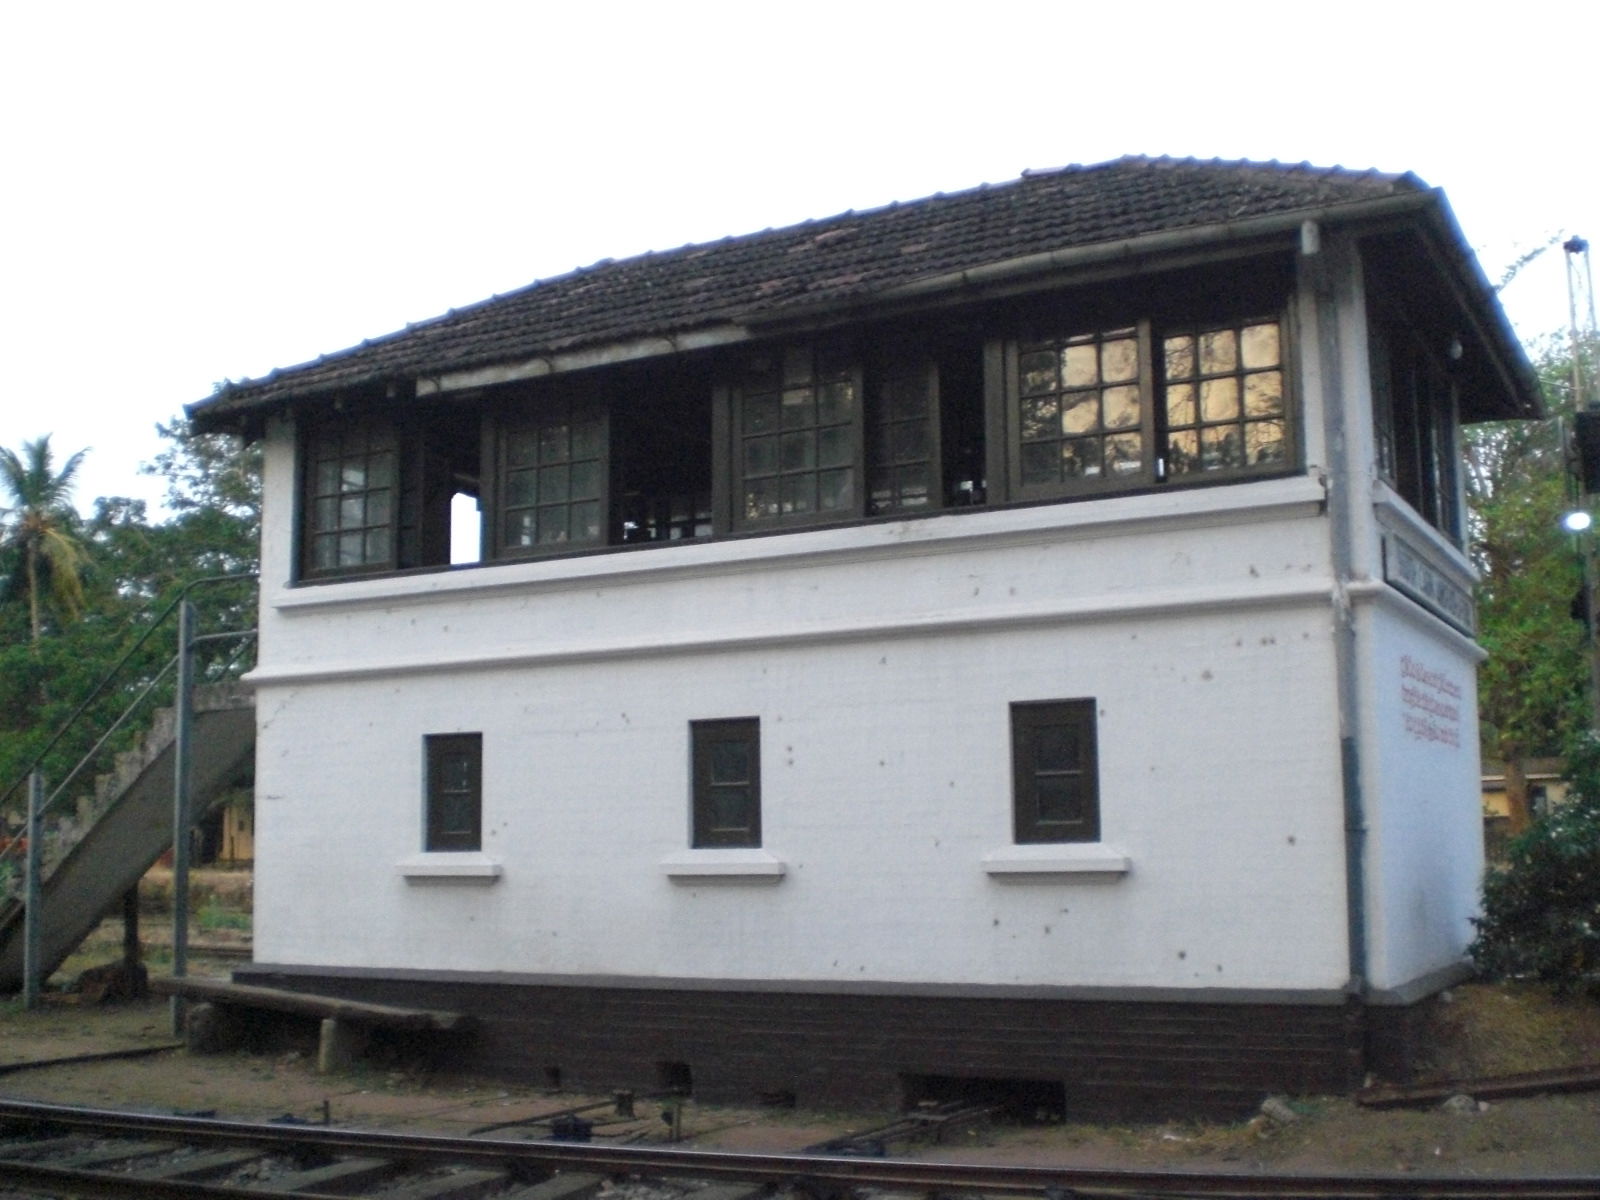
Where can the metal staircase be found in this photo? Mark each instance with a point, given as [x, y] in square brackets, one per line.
[93, 855]
[78, 863]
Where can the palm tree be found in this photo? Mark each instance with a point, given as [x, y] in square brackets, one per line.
[38, 525]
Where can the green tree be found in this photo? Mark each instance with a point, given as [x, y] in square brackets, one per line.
[1532, 689]
[40, 531]
[1541, 913]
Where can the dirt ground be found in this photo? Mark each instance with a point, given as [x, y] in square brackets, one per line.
[1484, 1030]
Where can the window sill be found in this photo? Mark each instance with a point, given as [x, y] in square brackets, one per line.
[1057, 858]
[457, 866]
[742, 865]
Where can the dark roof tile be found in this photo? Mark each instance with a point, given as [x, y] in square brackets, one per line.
[835, 259]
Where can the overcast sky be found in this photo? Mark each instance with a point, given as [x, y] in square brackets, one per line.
[194, 192]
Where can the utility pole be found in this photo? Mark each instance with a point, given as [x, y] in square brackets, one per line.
[1586, 449]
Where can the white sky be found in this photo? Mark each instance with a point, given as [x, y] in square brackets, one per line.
[191, 192]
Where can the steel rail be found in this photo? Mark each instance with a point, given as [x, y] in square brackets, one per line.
[819, 1169]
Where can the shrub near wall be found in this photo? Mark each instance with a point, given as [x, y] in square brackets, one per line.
[1541, 910]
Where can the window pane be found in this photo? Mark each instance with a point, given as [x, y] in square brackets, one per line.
[519, 528]
[1039, 418]
[325, 552]
[586, 521]
[760, 499]
[837, 402]
[352, 550]
[760, 455]
[798, 494]
[585, 480]
[1219, 448]
[1080, 412]
[1080, 365]
[520, 487]
[1263, 394]
[1219, 400]
[1040, 463]
[1123, 455]
[730, 762]
[553, 485]
[1059, 799]
[327, 512]
[328, 477]
[378, 507]
[798, 451]
[352, 476]
[799, 409]
[1119, 360]
[1179, 357]
[910, 441]
[1180, 404]
[1258, 346]
[1183, 452]
[730, 808]
[378, 546]
[835, 447]
[1055, 748]
[1219, 352]
[1121, 407]
[1080, 459]
[1264, 442]
[1038, 372]
[760, 414]
[836, 490]
[553, 525]
[521, 447]
[913, 486]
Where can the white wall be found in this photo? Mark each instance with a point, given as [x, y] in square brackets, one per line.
[881, 661]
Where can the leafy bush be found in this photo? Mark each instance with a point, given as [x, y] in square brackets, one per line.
[1541, 911]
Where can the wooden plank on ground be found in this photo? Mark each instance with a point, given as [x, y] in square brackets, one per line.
[1493, 1087]
[308, 1004]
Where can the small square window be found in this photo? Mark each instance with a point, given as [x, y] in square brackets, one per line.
[454, 791]
[726, 782]
[1055, 783]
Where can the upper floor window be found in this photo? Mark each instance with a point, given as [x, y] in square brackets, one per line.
[352, 497]
[1100, 393]
[1415, 422]
[551, 480]
[1134, 405]
[796, 437]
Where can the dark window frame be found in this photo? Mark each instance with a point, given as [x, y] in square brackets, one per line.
[1416, 428]
[539, 422]
[1022, 398]
[708, 792]
[1041, 775]
[446, 796]
[334, 444]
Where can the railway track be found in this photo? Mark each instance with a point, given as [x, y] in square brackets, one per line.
[54, 1150]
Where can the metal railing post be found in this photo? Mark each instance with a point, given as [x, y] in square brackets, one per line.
[182, 754]
[33, 918]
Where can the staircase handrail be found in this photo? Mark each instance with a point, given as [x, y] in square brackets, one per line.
[94, 693]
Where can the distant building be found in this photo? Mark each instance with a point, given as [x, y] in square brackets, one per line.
[1017, 639]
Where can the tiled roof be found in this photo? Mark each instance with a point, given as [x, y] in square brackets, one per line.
[850, 257]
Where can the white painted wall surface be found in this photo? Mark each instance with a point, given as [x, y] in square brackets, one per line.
[1422, 779]
[881, 661]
